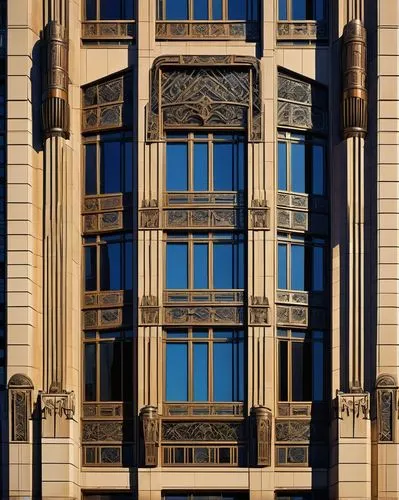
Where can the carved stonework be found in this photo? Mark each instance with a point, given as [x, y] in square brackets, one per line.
[55, 107]
[109, 298]
[262, 424]
[203, 315]
[149, 310]
[302, 30]
[121, 30]
[150, 422]
[202, 431]
[102, 431]
[259, 215]
[211, 91]
[149, 215]
[56, 410]
[259, 311]
[293, 430]
[354, 102]
[387, 406]
[20, 406]
[204, 218]
[353, 411]
[102, 318]
[233, 30]
[292, 316]
[292, 455]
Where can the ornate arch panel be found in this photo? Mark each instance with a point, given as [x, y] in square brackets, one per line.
[205, 91]
[387, 406]
[20, 404]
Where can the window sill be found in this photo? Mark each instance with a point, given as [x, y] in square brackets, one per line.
[207, 30]
[293, 31]
[108, 31]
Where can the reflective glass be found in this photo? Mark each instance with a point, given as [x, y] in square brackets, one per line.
[90, 371]
[200, 372]
[318, 269]
[223, 171]
[282, 267]
[176, 372]
[217, 10]
[111, 10]
[111, 266]
[91, 169]
[318, 371]
[282, 166]
[128, 373]
[200, 9]
[176, 10]
[237, 9]
[200, 265]
[176, 167]
[128, 167]
[301, 371]
[318, 10]
[91, 10]
[297, 267]
[228, 265]
[176, 265]
[110, 371]
[200, 167]
[128, 9]
[90, 268]
[317, 169]
[223, 372]
[282, 10]
[283, 370]
[110, 166]
[298, 167]
[298, 9]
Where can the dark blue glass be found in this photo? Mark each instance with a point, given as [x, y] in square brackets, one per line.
[128, 12]
[176, 372]
[200, 265]
[128, 166]
[228, 265]
[282, 10]
[237, 10]
[201, 10]
[176, 167]
[128, 265]
[110, 372]
[217, 10]
[318, 10]
[298, 167]
[176, 10]
[298, 10]
[223, 371]
[297, 267]
[111, 10]
[282, 166]
[90, 371]
[318, 269]
[91, 14]
[90, 268]
[223, 171]
[110, 176]
[90, 169]
[200, 167]
[111, 266]
[176, 265]
[282, 266]
[200, 372]
[318, 371]
[317, 169]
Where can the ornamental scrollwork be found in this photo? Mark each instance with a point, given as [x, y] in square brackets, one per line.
[202, 431]
[207, 30]
[387, 407]
[102, 431]
[197, 315]
[293, 430]
[20, 403]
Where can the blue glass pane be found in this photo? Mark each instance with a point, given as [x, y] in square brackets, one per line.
[282, 10]
[239, 167]
[223, 372]
[176, 10]
[176, 167]
[282, 266]
[237, 9]
[111, 263]
[298, 9]
[318, 269]
[91, 10]
[110, 373]
[128, 265]
[176, 265]
[318, 371]
[176, 372]
[91, 170]
[200, 372]
[297, 267]
[318, 10]
[128, 188]
[110, 167]
[239, 371]
[223, 171]
[90, 372]
[110, 10]
[217, 10]
[200, 167]
[201, 9]
[223, 265]
[282, 166]
[317, 169]
[90, 269]
[298, 168]
[128, 9]
[200, 265]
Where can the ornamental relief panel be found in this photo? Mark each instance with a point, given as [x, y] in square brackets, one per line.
[202, 431]
[232, 30]
[20, 406]
[203, 315]
[211, 91]
[204, 218]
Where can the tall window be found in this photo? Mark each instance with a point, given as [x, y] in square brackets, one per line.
[205, 162]
[108, 10]
[202, 10]
[301, 164]
[205, 261]
[204, 365]
[300, 10]
[108, 365]
[301, 263]
[301, 365]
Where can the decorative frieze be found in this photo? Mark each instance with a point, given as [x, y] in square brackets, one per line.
[95, 319]
[206, 315]
[20, 407]
[262, 424]
[292, 316]
[149, 214]
[102, 203]
[202, 431]
[108, 298]
[259, 311]
[203, 410]
[259, 215]
[302, 30]
[151, 433]
[292, 220]
[211, 30]
[149, 310]
[195, 218]
[105, 30]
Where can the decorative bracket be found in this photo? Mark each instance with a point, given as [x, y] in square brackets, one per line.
[149, 215]
[353, 412]
[149, 310]
[259, 215]
[262, 432]
[150, 421]
[259, 311]
[56, 409]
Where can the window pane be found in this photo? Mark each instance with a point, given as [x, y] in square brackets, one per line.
[297, 267]
[298, 9]
[318, 269]
[223, 176]
[200, 265]
[128, 373]
[110, 371]
[282, 10]
[176, 167]
[318, 169]
[217, 12]
[91, 10]
[200, 372]
[228, 265]
[90, 372]
[282, 166]
[128, 265]
[176, 10]
[91, 169]
[301, 371]
[200, 9]
[298, 167]
[110, 10]
[318, 371]
[223, 372]
[128, 9]
[283, 370]
[90, 269]
[111, 264]
[237, 9]
[200, 167]
[176, 265]
[128, 166]
[111, 167]
[318, 9]
[282, 266]
[176, 372]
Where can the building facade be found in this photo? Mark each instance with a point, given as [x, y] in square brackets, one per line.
[199, 255]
